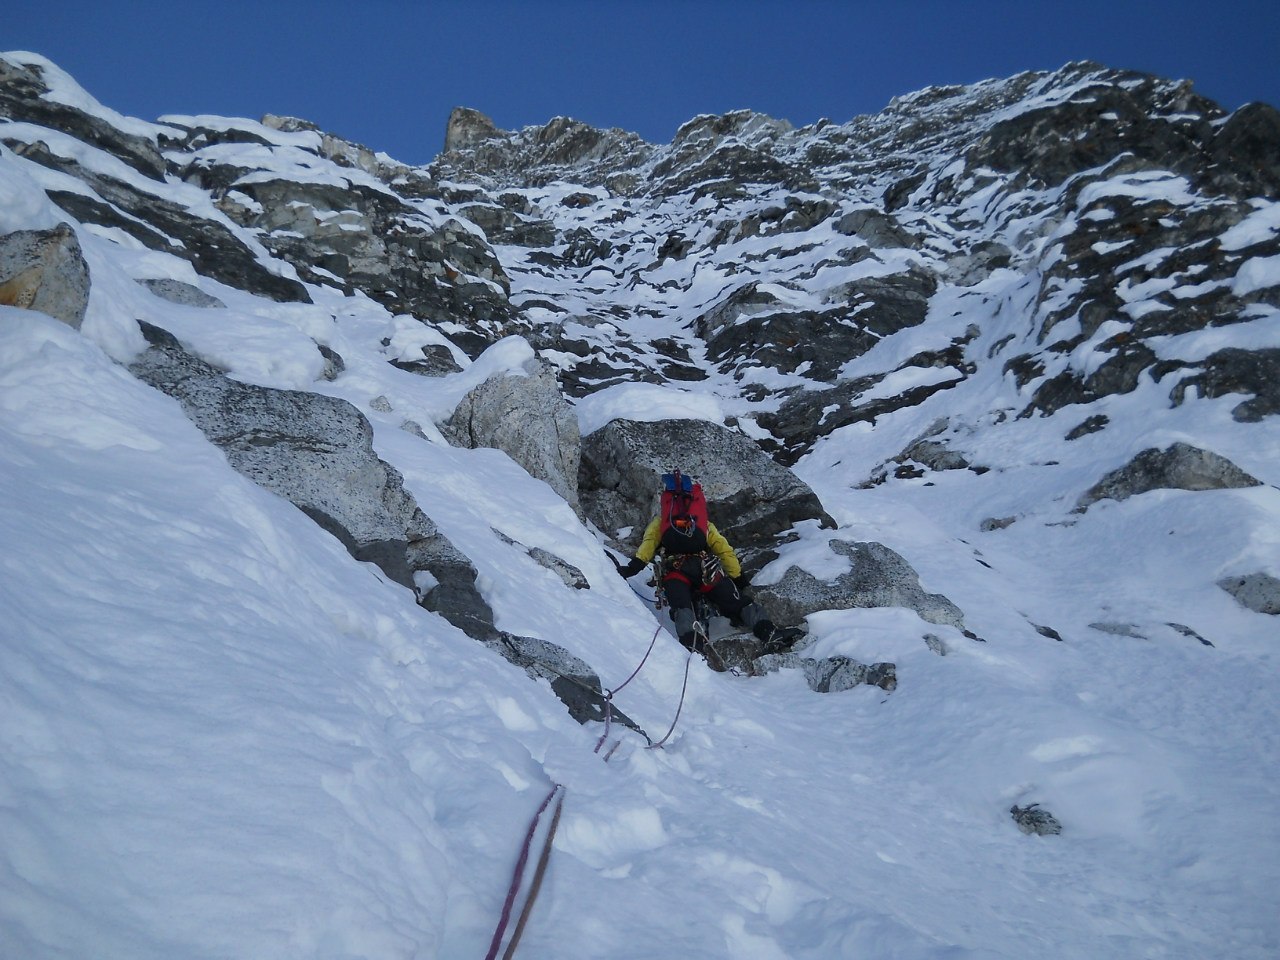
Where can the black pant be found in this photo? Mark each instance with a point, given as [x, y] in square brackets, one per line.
[680, 585]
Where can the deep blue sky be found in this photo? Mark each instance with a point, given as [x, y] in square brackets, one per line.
[386, 73]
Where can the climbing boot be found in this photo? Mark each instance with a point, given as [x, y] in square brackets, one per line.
[775, 639]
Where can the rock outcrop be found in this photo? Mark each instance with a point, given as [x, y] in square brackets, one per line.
[45, 270]
[878, 577]
[316, 451]
[1180, 466]
[526, 417]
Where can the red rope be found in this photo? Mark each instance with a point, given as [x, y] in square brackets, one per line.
[519, 874]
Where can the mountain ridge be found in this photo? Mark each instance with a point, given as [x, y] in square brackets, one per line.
[980, 386]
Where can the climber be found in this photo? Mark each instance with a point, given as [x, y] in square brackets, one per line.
[696, 557]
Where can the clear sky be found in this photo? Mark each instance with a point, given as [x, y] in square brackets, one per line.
[386, 73]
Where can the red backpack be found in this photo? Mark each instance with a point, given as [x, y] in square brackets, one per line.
[683, 515]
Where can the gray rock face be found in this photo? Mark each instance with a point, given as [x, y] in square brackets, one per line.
[527, 418]
[879, 578]
[1178, 467]
[468, 127]
[1259, 592]
[22, 98]
[750, 498]
[361, 238]
[44, 270]
[315, 451]
[175, 291]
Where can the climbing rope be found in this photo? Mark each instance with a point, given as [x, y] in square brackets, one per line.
[679, 706]
[608, 697]
[518, 877]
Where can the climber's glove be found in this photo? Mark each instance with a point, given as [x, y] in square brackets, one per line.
[630, 569]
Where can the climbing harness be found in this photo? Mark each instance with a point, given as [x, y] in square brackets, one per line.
[518, 877]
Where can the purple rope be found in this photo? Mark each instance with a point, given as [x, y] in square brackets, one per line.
[536, 883]
[608, 696]
[518, 877]
[679, 706]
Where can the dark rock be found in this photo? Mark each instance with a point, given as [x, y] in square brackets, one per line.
[1178, 467]
[1032, 820]
[1119, 629]
[1245, 152]
[1160, 124]
[996, 523]
[876, 228]
[23, 99]
[572, 680]
[835, 674]
[570, 575]
[334, 365]
[502, 225]
[1186, 631]
[1233, 370]
[437, 361]
[1088, 425]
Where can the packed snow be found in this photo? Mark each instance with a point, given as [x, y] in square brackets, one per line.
[221, 736]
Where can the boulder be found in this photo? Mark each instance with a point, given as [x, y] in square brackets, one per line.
[45, 270]
[1259, 592]
[1179, 466]
[751, 499]
[834, 674]
[825, 675]
[528, 419]
[879, 578]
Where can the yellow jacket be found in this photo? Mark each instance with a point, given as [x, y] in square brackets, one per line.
[716, 543]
